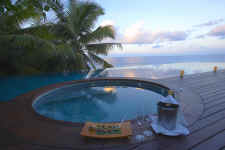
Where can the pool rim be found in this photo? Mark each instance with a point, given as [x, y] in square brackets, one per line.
[35, 94]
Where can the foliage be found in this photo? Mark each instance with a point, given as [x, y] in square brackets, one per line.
[76, 26]
[22, 51]
[70, 44]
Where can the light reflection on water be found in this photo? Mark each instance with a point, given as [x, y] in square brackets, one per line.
[161, 71]
[109, 89]
[98, 104]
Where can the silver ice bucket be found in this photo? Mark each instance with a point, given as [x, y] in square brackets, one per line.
[167, 115]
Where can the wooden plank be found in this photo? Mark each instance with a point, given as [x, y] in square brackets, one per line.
[201, 84]
[213, 110]
[212, 99]
[223, 148]
[209, 86]
[214, 91]
[214, 103]
[196, 138]
[204, 122]
[199, 75]
[212, 86]
[202, 77]
[198, 79]
[152, 145]
[214, 143]
[213, 95]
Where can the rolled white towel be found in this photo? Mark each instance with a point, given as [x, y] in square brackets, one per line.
[169, 99]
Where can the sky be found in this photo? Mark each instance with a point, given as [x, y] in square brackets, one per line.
[165, 27]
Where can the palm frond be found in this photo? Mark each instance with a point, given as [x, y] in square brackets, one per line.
[62, 31]
[73, 3]
[72, 24]
[87, 60]
[81, 16]
[99, 60]
[102, 48]
[58, 8]
[41, 31]
[81, 62]
[8, 24]
[99, 34]
[89, 13]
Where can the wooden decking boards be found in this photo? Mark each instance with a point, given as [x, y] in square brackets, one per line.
[203, 99]
[208, 133]
[213, 143]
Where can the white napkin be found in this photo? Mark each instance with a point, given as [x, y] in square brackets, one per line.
[180, 129]
[169, 99]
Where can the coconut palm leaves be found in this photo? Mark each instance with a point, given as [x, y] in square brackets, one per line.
[22, 50]
[77, 27]
[72, 43]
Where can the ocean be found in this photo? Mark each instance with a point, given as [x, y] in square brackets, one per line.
[158, 60]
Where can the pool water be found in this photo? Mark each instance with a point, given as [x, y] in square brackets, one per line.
[161, 70]
[13, 86]
[99, 104]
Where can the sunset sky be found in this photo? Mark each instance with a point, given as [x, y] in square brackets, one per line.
[166, 27]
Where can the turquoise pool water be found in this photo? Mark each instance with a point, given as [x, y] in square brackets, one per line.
[97, 104]
[10, 87]
[162, 70]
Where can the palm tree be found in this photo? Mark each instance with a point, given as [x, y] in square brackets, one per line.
[71, 44]
[23, 49]
[77, 32]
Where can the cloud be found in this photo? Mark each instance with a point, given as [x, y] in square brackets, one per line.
[200, 36]
[137, 33]
[218, 31]
[107, 22]
[171, 35]
[210, 23]
[157, 46]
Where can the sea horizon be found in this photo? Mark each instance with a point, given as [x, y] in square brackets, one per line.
[125, 61]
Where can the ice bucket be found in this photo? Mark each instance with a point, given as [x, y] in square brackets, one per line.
[167, 115]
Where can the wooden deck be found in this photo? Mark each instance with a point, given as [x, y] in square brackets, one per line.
[208, 132]
[206, 106]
